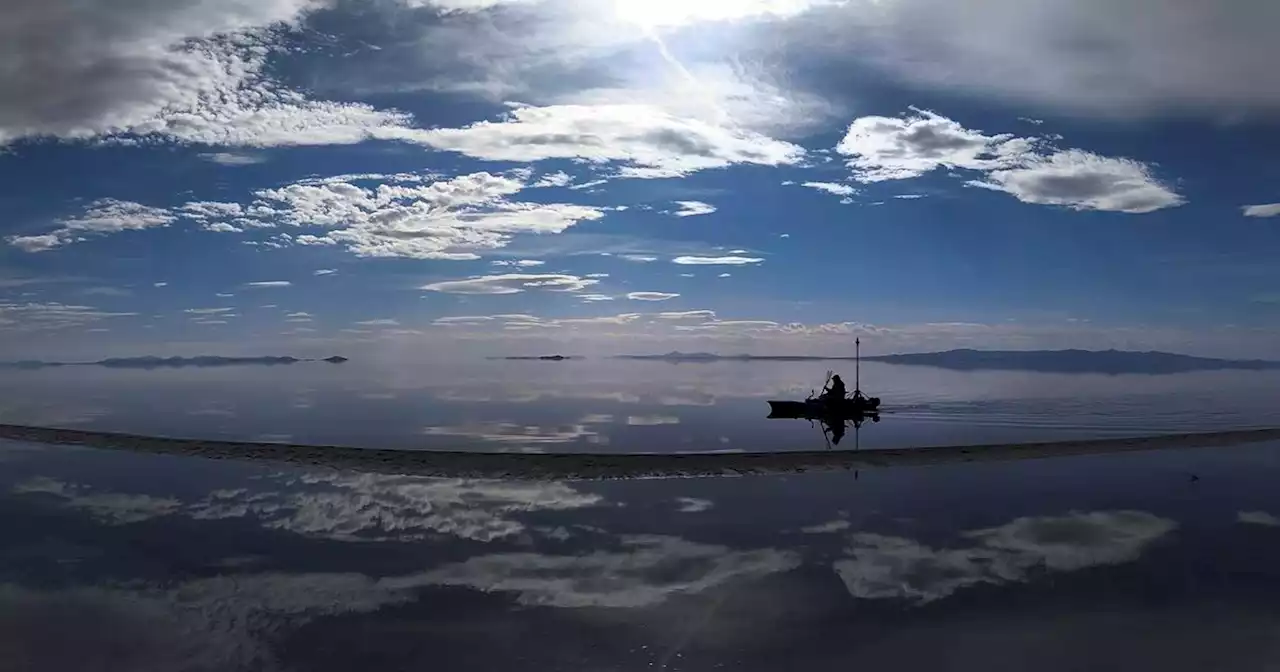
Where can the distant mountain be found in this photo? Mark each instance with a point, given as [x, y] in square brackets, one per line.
[1046, 361]
[153, 362]
[1072, 361]
[710, 357]
[544, 358]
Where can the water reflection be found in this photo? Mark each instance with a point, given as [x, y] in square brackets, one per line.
[183, 564]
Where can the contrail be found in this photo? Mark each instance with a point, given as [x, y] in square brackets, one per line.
[721, 115]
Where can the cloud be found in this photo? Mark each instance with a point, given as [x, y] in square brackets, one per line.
[299, 314]
[185, 71]
[1031, 170]
[638, 258]
[207, 311]
[693, 208]
[556, 179]
[224, 295]
[103, 217]
[233, 158]
[646, 570]
[591, 298]
[51, 316]
[202, 210]
[715, 261]
[1258, 518]
[1142, 58]
[222, 227]
[405, 216]
[687, 315]
[159, 284]
[896, 148]
[1083, 181]
[1264, 210]
[324, 271]
[882, 567]
[693, 504]
[724, 275]
[646, 141]
[831, 188]
[511, 283]
[829, 527]
[651, 296]
[379, 323]
[269, 283]
[519, 263]
[115, 292]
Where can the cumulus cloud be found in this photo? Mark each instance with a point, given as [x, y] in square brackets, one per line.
[511, 283]
[715, 261]
[1031, 170]
[1264, 210]
[693, 208]
[645, 141]
[405, 216]
[1084, 181]
[188, 71]
[882, 567]
[233, 158]
[105, 216]
[651, 296]
[519, 263]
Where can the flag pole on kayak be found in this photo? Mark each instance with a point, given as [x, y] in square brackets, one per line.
[857, 364]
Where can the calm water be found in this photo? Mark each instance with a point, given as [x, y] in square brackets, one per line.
[1156, 560]
[611, 405]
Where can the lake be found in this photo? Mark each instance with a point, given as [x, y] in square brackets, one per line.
[1163, 559]
[621, 406]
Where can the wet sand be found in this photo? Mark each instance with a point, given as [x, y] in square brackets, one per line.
[598, 466]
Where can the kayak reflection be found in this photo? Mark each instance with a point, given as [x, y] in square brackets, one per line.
[834, 419]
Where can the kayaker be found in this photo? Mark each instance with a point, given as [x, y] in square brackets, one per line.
[835, 391]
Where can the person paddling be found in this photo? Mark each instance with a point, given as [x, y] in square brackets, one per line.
[835, 390]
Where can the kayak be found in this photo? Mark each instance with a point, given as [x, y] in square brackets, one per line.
[817, 408]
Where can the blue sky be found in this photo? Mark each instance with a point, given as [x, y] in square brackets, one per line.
[628, 175]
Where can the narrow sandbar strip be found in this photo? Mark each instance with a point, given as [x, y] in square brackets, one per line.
[576, 466]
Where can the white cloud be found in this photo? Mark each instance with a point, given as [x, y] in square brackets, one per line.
[207, 311]
[324, 271]
[105, 216]
[638, 258]
[882, 567]
[384, 322]
[222, 227]
[224, 295]
[650, 296]
[596, 275]
[724, 275]
[648, 141]
[646, 571]
[1031, 170]
[831, 188]
[715, 261]
[556, 179]
[1083, 181]
[896, 148]
[51, 316]
[829, 527]
[447, 219]
[1258, 518]
[186, 70]
[687, 315]
[693, 208]
[519, 263]
[269, 283]
[592, 298]
[233, 158]
[511, 283]
[299, 314]
[202, 210]
[1264, 210]
[159, 284]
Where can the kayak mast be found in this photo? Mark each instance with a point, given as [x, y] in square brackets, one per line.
[857, 364]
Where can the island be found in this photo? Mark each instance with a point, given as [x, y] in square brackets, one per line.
[154, 362]
[1043, 361]
[542, 358]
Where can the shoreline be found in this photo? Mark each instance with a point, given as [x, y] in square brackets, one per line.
[605, 466]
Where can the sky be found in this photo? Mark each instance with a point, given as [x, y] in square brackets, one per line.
[602, 176]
